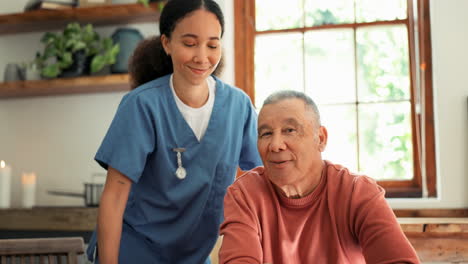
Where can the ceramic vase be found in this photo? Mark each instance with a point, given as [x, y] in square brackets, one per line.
[128, 39]
[12, 73]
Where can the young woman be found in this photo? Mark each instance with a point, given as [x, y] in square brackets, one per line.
[174, 145]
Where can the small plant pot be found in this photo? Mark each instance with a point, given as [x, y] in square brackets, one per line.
[80, 66]
[31, 73]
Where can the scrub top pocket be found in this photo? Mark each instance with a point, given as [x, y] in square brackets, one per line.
[212, 216]
[224, 177]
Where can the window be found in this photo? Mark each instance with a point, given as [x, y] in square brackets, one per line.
[367, 65]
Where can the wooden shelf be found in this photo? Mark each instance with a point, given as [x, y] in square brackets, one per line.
[88, 84]
[47, 20]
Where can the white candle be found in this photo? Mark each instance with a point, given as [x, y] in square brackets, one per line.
[5, 185]
[28, 183]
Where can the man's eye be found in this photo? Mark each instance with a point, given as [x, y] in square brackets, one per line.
[265, 134]
[290, 130]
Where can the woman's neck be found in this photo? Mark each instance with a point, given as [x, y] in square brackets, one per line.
[193, 95]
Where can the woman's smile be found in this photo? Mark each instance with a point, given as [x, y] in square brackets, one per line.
[198, 71]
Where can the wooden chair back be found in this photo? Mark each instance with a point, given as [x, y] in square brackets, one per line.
[41, 250]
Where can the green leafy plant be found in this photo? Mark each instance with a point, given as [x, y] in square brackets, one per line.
[59, 49]
[146, 3]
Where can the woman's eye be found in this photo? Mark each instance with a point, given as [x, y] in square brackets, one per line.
[189, 44]
[212, 47]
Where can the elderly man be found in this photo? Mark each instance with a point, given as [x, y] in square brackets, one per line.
[299, 208]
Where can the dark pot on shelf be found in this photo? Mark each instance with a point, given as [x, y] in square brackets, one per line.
[92, 191]
[81, 66]
[102, 72]
[128, 39]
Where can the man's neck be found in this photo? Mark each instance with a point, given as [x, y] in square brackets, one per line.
[300, 190]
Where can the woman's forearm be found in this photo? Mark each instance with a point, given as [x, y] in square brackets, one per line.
[110, 216]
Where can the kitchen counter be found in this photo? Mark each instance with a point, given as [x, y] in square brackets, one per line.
[84, 219]
[436, 239]
[49, 218]
[47, 222]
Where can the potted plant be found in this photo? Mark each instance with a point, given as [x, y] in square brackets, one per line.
[76, 51]
[143, 2]
[146, 3]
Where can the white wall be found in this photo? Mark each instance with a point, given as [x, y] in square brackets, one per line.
[57, 136]
[228, 40]
[449, 56]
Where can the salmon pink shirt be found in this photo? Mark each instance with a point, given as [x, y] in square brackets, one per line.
[346, 219]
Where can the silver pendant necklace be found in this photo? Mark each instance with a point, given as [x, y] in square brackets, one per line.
[180, 173]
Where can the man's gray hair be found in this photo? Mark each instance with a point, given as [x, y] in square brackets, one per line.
[291, 94]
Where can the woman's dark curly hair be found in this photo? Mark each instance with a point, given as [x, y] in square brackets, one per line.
[149, 60]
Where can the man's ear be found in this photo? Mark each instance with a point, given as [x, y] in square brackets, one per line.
[323, 137]
[165, 44]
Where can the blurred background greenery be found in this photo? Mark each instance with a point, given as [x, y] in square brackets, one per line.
[352, 58]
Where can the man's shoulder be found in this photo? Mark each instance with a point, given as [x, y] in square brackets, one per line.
[253, 179]
[254, 190]
[342, 178]
[357, 190]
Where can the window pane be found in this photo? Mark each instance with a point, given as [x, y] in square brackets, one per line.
[383, 63]
[379, 10]
[278, 14]
[385, 141]
[323, 12]
[278, 64]
[340, 121]
[329, 65]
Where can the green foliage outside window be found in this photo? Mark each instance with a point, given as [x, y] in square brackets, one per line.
[380, 92]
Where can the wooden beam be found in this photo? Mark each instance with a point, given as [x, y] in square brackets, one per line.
[244, 43]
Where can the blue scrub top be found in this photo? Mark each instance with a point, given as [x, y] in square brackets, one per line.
[169, 220]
